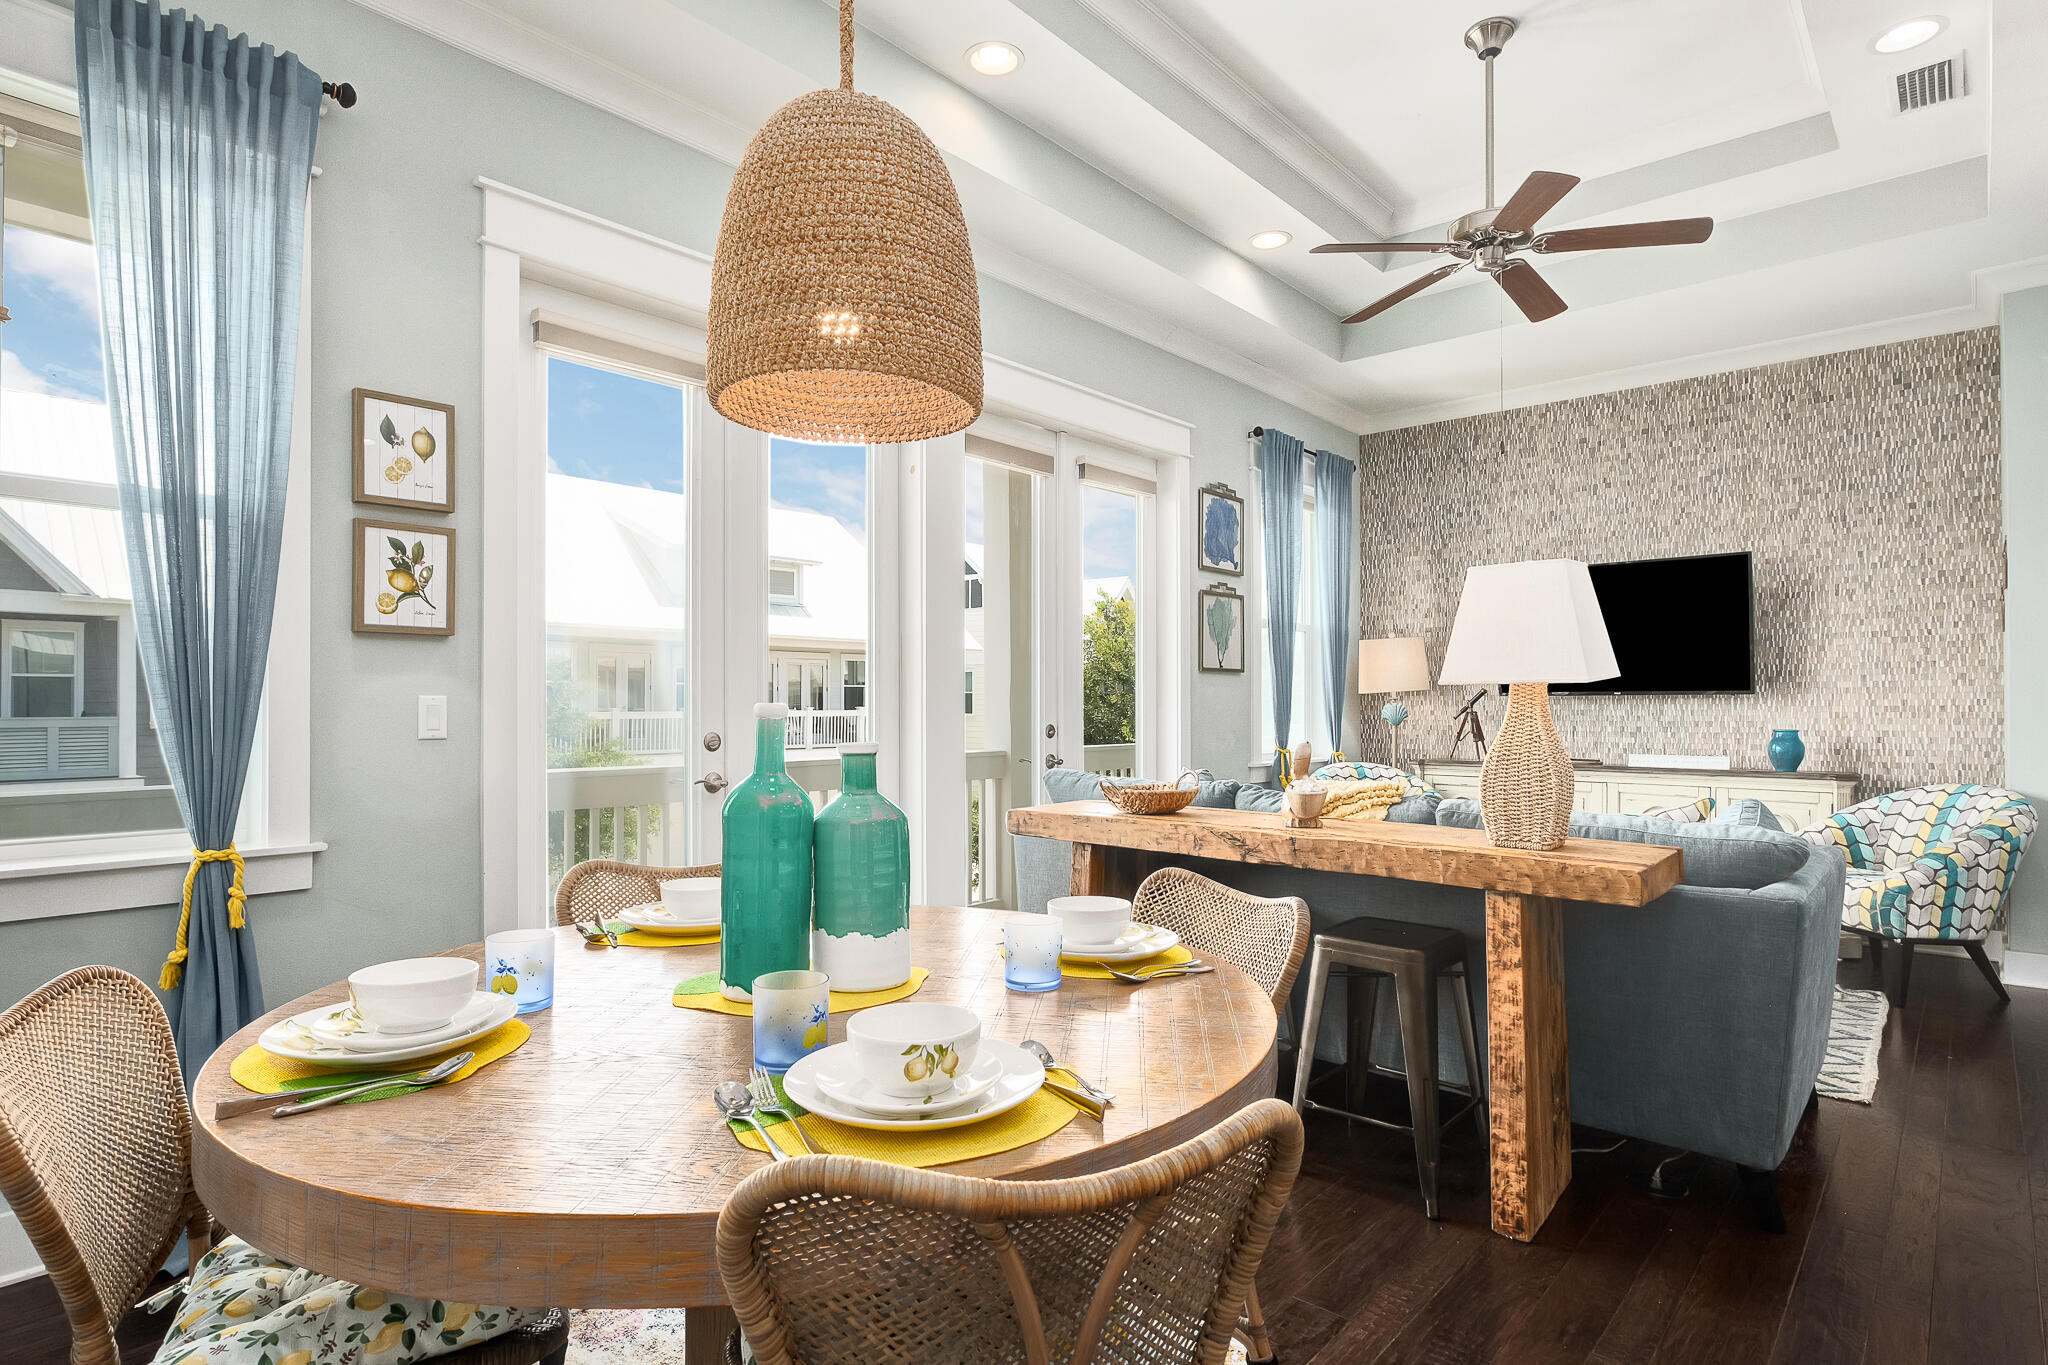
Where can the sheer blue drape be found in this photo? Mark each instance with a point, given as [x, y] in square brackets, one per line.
[198, 154]
[1280, 531]
[1336, 535]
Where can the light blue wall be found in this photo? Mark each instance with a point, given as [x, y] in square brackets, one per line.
[396, 290]
[2023, 373]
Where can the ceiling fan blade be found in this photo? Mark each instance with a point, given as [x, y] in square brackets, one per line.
[1379, 246]
[1414, 286]
[1531, 293]
[1537, 196]
[1669, 232]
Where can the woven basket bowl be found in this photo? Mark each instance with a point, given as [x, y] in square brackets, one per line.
[1150, 798]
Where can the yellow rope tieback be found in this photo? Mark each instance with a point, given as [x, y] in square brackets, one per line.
[174, 965]
[1283, 766]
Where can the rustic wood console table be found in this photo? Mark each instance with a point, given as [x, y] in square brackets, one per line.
[1528, 1067]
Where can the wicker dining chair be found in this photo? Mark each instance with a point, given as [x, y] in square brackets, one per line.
[96, 1158]
[601, 887]
[1265, 939]
[842, 1259]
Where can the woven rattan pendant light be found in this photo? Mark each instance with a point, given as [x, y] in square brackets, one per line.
[843, 301]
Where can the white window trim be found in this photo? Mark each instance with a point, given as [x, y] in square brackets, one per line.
[11, 627]
[796, 572]
[47, 878]
[1309, 657]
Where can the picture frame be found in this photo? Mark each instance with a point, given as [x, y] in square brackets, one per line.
[382, 601]
[1219, 530]
[404, 451]
[1219, 629]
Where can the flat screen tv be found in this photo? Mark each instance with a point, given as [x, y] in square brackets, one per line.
[1678, 625]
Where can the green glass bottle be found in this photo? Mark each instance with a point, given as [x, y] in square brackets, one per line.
[862, 938]
[765, 885]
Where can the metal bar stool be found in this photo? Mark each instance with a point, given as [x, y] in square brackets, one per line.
[1415, 956]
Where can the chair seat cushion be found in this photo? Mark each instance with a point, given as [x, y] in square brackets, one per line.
[244, 1308]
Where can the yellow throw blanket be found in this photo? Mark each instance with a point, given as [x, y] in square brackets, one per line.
[1353, 800]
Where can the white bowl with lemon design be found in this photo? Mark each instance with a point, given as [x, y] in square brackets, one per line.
[913, 1049]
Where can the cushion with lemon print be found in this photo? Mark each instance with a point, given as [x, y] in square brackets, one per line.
[243, 1308]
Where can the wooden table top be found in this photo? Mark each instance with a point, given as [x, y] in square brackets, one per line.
[1604, 870]
[586, 1170]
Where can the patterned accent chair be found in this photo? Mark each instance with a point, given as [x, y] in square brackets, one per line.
[1929, 865]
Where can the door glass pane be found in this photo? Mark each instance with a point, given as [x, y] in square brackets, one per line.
[1003, 751]
[818, 601]
[617, 577]
[1109, 631]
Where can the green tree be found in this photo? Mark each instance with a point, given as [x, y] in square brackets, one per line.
[575, 832]
[1109, 672]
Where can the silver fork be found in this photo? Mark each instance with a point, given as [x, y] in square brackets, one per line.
[766, 1101]
[1161, 973]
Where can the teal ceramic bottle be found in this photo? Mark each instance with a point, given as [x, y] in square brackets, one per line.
[765, 885]
[862, 937]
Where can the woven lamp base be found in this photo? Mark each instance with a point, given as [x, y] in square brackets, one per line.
[1525, 789]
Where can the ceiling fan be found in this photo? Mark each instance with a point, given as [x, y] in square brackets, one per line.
[1490, 237]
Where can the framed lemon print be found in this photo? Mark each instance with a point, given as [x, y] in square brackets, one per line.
[405, 452]
[405, 578]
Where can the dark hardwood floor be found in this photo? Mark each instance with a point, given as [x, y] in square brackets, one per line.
[1912, 1236]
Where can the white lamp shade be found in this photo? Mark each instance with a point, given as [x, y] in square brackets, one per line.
[1534, 622]
[1398, 664]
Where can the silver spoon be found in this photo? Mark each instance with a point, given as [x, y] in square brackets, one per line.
[735, 1101]
[1044, 1055]
[433, 1076]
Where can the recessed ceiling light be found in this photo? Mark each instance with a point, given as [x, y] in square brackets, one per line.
[1271, 241]
[994, 59]
[1910, 34]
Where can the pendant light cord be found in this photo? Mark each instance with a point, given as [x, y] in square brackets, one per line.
[846, 44]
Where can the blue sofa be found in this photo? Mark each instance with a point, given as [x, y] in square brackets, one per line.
[1697, 1022]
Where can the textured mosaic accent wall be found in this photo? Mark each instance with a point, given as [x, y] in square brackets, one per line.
[1865, 484]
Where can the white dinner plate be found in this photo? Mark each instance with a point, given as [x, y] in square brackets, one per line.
[1020, 1077]
[842, 1080]
[294, 1038]
[656, 919]
[1138, 941]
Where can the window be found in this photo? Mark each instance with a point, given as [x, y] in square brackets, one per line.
[973, 587]
[45, 671]
[970, 691]
[853, 685]
[785, 583]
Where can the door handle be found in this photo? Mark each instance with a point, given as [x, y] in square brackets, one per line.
[1055, 761]
[712, 782]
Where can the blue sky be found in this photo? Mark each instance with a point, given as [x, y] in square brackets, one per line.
[626, 430]
[53, 343]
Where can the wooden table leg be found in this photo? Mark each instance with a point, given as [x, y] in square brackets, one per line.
[1105, 870]
[705, 1330]
[1528, 1063]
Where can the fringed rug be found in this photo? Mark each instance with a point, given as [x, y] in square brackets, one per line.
[1855, 1032]
[626, 1336]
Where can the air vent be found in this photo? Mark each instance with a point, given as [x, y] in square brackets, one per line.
[1935, 83]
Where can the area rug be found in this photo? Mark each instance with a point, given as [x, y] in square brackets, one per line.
[1855, 1032]
[626, 1336]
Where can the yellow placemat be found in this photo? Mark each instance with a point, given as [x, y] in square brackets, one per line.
[636, 938]
[1034, 1120]
[266, 1073]
[1095, 971]
[700, 992]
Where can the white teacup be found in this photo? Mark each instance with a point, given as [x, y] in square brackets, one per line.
[911, 1050]
[1090, 921]
[691, 899]
[414, 994]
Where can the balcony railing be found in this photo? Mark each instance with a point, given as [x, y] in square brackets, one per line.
[668, 732]
[1110, 760]
[991, 869]
[826, 729]
[39, 748]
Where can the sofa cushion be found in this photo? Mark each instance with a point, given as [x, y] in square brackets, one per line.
[1747, 810]
[1252, 796]
[1072, 784]
[1744, 857]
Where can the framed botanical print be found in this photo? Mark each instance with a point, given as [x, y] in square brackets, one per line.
[404, 578]
[1219, 630]
[1219, 530]
[404, 452]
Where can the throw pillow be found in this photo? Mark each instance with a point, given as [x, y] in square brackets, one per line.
[1685, 812]
[243, 1308]
[1747, 810]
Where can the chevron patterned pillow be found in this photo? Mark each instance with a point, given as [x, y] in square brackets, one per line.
[1685, 812]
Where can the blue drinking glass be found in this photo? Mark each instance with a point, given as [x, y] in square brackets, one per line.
[790, 1009]
[1031, 952]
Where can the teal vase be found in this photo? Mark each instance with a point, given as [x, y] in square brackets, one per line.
[1787, 750]
[765, 885]
[862, 937]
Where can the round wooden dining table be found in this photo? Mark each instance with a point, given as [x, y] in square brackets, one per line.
[587, 1169]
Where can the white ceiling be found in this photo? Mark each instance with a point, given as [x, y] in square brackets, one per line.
[1121, 170]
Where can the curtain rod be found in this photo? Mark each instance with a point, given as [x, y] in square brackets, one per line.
[344, 94]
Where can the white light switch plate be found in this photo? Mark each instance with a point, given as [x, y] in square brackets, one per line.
[433, 717]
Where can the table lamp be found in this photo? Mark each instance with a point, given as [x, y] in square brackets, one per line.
[1397, 664]
[1528, 625]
